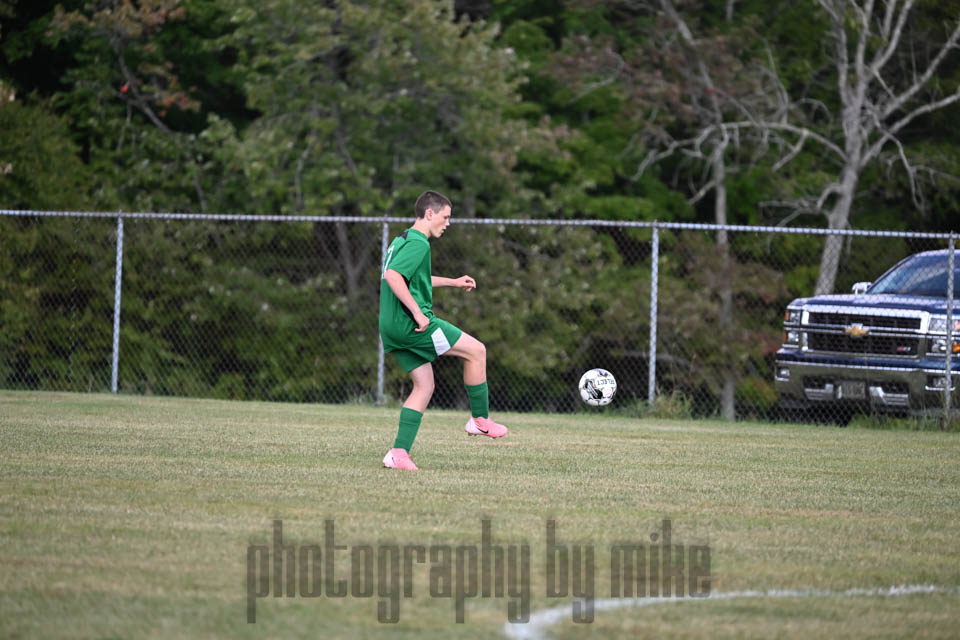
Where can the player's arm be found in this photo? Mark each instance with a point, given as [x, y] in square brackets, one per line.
[400, 289]
[463, 282]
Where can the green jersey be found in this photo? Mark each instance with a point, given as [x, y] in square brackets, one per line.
[408, 255]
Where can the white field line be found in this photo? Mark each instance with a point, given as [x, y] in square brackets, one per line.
[540, 621]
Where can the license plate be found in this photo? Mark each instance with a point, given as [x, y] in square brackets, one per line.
[852, 390]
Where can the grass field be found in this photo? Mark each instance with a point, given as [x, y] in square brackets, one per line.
[130, 517]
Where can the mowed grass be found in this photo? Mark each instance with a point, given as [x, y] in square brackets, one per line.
[131, 517]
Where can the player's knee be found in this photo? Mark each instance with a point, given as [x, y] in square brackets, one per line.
[424, 387]
[481, 351]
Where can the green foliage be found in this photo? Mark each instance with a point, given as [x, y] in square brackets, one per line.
[795, 36]
[672, 405]
[272, 312]
[145, 132]
[56, 301]
[377, 102]
[354, 108]
[6, 10]
[581, 304]
[39, 167]
[757, 393]
[883, 422]
[701, 345]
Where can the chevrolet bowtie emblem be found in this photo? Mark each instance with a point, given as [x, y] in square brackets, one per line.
[856, 330]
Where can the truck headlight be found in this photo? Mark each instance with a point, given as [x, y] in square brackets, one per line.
[791, 337]
[939, 345]
[792, 316]
[938, 324]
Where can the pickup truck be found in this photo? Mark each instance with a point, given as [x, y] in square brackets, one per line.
[882, 348]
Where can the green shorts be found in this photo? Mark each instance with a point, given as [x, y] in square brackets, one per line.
[416, 349]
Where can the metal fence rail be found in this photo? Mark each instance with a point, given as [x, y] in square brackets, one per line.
[689, 317]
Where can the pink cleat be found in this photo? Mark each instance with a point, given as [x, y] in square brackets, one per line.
[398, 459]
[485, 427]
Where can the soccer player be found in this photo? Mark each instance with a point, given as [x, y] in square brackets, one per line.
[415, 336]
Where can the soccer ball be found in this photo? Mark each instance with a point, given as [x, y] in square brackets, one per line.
[597, 387]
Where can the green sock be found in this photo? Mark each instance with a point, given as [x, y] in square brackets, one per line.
[409, 425]
[479, 400]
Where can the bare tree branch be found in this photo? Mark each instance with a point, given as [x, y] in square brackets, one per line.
[897, 103]
[298, 173]
[800, 207]
[892, 131]
[792, 153]
[783, 126]
[728, 14]
[342, 144]
[201, 194]
[888, 18]
[694, 144]
[133, 86]
[840, 34]
[830, 189]
[704, 190]
[614, 75]
[864, 15]
[877, 103]
[892, 38]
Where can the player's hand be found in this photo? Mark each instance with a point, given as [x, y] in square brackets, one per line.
[466, 283]
[422, 322]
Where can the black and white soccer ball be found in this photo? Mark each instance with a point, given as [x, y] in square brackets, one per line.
[597, 387]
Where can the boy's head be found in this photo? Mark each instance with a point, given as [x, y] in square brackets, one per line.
[431, 200]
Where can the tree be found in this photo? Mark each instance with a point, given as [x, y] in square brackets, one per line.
[365, 105]
[6, 9]
[887, 56]
[684, 85]
[39, 167]
[701, 83]
[145, 89]
[884, 84]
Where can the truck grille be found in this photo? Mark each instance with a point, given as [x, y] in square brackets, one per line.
[868, 345]
[885, 322]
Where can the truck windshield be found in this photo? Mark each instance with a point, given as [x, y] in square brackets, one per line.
[921, 275]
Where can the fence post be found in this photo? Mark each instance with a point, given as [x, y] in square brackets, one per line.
[948, 388]
[117, 287]
[384, 239]
[654, 274]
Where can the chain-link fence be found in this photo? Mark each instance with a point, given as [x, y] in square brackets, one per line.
[285, 308]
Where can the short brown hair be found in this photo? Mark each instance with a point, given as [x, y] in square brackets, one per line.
[430, 200]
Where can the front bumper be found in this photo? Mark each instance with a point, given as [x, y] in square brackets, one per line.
[803, 382]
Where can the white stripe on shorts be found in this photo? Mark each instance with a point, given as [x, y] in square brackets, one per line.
[440, 342]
